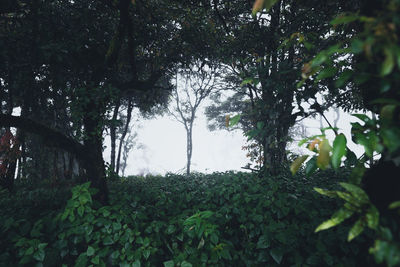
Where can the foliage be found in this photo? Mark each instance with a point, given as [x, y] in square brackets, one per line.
[199, 220]
[266, 52]
[374, 70]
[67, 64]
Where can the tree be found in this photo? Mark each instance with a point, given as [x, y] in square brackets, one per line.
[192, 87]
[372, 192]
[267, 51]
[93, 53]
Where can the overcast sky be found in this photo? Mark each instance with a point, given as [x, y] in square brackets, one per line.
[164, 145]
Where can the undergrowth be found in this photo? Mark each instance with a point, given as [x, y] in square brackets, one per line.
[222, 219]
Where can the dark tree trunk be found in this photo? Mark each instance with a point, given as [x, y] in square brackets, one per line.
[94, 162]
[113, 136]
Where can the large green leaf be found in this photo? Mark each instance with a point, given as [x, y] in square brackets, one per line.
[311, 166]
[388, 63]
[357, 192]
[394, 205]
[327, 193]
[372, 217]
[357, 229]
[294, 167]
[323, 158]
[326, 73]
[338, 150]
[336, 219]
[234, 120]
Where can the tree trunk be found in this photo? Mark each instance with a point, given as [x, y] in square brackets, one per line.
[128, 120]
[94, 163]
[189, 146]
[113, 130]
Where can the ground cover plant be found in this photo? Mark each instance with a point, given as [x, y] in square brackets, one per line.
[199, 220]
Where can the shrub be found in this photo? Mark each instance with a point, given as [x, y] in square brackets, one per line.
[222, 219]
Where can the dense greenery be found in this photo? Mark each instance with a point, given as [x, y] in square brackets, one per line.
[222, 219]
[70, 67]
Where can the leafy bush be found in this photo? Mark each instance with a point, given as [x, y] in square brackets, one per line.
[222, 219]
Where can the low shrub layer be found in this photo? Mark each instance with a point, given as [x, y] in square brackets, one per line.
[222, 219]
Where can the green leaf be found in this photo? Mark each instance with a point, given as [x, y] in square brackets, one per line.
[343, 78]
[83, 199]
[357, 192]
[95, 260]
[372, 217]
[81, 210]
[342, 19]
[247, 81]
[214, 238]
[263, 242]
[65, 214]
[201, 243]
[391, 138]
[90, 251]
[294, 167]
[42, 245]
[146, 254]
[311, 166]
[338, 150]
[357, 46]
[357, 229]
[327, 193]
[171, 229]
[29, 251]
[368, 144]
[39, 255]
[394, 205]
[169, 263]
[277, 255]
[326, 73]
[323, 158]
[398, 57]
[116, 226]
[336, 219]
[234, 120]
[387, 113]
[318, 60]
[362, 117]
[388, 63]
[108, 241]
[226, 255]
[386, 251]
[186, 264]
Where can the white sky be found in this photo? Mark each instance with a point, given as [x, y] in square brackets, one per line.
[164, 148]
[164, 145]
